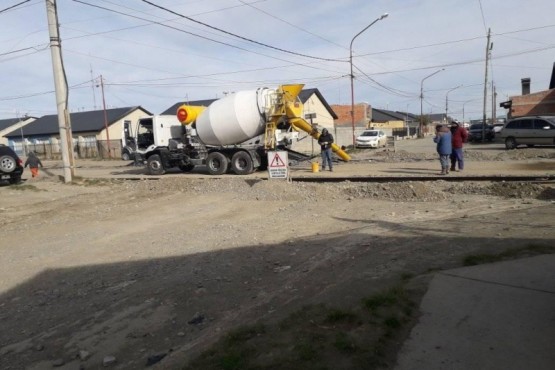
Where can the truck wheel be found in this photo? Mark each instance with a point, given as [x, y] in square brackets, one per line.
[510, 143]
[241, 163]
[154, 164]
[125, 156]
[217, 163]
[186, 167]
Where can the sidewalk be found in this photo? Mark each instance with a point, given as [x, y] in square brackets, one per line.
[493, 316]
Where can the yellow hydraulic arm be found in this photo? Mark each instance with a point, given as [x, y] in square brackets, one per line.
[289, 108]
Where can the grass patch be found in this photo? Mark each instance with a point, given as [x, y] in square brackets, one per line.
[25, 188]
[337, 316]
[384, 299]
[513, 253]
[318, 337]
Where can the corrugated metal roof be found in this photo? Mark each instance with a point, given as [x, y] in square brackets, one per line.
[5, 123]
[91, 121]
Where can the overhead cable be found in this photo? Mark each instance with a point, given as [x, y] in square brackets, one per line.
[241, 37]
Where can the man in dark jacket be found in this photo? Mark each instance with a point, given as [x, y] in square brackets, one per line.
[459, 135]
[325, 140]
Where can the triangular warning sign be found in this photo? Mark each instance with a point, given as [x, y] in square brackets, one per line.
[277, 161]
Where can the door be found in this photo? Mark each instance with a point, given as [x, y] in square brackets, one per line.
[544, 132]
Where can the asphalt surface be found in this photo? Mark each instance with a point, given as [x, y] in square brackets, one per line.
[493, 316]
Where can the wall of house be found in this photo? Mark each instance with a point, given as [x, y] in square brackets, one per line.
[115, 130]
[4, 140]
[305, 143]
[388, 124]
[536, 104]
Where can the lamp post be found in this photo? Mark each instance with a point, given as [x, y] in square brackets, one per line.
[468, 101]
[447, 101]
[421, 133]
[352, 76]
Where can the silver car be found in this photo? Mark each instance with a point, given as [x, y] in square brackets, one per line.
[371, 139]
[529, 131]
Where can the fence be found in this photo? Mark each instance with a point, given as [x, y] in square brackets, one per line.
[405, 131]
[84, 150]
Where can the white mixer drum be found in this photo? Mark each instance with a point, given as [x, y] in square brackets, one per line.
[233, 119]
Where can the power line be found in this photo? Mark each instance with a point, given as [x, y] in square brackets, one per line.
[238, 36]
[187, 32]
[291, 24]
[391, 90]
[14, 6]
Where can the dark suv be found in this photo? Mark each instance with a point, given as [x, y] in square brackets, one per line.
[11, 167]
[475, 132]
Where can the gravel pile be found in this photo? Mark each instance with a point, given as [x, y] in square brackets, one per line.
[266, 190]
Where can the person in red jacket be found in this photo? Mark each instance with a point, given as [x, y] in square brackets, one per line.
[459, 136]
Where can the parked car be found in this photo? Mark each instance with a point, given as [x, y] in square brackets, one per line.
[371, 139]
[475, 132]
[529, 131]
[497, 127]
[11, 167]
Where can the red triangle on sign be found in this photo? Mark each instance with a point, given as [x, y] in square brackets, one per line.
[277, 161]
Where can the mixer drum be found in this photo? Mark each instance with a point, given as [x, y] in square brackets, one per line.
[233, 119]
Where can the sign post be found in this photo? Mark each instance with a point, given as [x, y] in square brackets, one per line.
[278, 165]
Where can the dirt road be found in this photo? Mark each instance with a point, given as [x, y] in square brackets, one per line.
[117, 272]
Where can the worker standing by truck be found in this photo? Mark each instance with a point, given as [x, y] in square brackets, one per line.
[325, 140]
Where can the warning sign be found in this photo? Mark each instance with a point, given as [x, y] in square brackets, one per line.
[278, 165]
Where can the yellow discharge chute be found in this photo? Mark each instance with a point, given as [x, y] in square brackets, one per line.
[300, 124]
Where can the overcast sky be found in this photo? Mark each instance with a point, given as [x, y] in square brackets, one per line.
[156, 57]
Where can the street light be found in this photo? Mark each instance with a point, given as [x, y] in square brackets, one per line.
[468, 101]
[352, 76]
[421, 133]
[447, 101]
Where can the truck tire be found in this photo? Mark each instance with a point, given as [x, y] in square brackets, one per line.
[125, 156]
[217, 163]
[155, 166]
[241, 163]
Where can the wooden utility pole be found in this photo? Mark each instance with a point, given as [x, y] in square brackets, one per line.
[484, 119]
[493, 103]
[60, 85]
[105, 118]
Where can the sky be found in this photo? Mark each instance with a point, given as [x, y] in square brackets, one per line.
[156, 53]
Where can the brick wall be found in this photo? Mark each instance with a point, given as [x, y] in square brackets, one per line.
[536, 104]
[343, 112]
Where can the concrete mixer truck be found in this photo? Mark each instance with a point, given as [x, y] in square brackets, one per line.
[232, 134]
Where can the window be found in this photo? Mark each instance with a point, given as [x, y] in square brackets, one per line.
[539, 124]
[526, 124]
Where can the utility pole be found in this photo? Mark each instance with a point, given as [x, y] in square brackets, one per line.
[105, 118]
[60, 85]
[488, 49]
[493, 103]
[94, 94]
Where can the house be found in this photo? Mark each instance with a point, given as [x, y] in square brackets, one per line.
[316, 112]
[344, 130]
[10, 124]
[89, 129]
[541, 103]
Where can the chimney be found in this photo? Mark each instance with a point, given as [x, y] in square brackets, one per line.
[525, 82]
[552, 83]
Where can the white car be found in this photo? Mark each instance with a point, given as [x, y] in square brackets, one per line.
[371, 139]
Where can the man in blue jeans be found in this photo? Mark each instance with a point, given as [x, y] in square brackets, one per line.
[325, 140]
